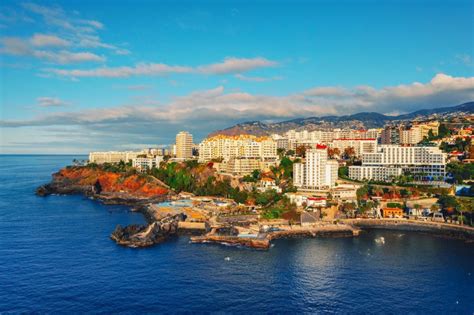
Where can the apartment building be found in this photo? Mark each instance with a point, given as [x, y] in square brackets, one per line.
[184, 145]
[418, 132]
[317, 171]
[113, 156]
[360, 146]
[311, 138]
[390, 135]
[242, 146]
[146, 163]
[428, 163]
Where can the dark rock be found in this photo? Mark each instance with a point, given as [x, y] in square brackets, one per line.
[146, 235]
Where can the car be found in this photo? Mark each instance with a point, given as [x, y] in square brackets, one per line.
[436, 216]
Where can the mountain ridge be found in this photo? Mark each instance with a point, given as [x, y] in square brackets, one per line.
[360, 120]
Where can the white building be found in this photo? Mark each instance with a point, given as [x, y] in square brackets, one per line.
[242, 146]
[146, 163]
[267, 183]
[345, 192]
[317, 171]
[113, 156]
[377, 173]
[360, 146]
[184, 145]
[393, 160]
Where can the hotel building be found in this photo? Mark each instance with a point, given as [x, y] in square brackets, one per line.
[113, 156]
[427, 163]
[317, 171]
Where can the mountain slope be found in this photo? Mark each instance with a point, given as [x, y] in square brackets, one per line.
[356, 121]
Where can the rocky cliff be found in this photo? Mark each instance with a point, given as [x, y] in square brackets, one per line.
[109, 186]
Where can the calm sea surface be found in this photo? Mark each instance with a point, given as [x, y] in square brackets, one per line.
[56, 257]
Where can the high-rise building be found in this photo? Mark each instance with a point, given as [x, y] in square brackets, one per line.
[317, 171]
[184, 145]
[390, 135]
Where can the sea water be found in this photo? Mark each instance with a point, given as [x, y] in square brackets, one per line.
[56, 257]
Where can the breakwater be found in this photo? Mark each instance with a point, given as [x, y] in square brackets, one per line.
[263, 240]
[435, 228]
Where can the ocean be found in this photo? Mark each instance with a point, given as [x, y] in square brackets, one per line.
[56, 257]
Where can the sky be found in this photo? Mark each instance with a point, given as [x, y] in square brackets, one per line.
[78, 76]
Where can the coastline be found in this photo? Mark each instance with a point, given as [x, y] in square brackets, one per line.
[159, 228]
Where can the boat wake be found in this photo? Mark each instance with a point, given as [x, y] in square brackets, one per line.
[380, 240]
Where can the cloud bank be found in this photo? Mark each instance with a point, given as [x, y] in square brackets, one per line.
[202, 112]
[69, 38]
[227, 66]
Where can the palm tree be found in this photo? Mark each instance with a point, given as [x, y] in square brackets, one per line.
[461, 208]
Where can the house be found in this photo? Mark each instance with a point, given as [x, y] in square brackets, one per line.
[301, 199]
[392, 213]
[268, 183]
[316, 202]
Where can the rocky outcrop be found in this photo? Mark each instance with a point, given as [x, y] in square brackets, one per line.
[111, 187]
[146, 235]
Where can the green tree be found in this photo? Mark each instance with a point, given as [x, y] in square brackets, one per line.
[256, 174]
[362, 192]
[443, 131]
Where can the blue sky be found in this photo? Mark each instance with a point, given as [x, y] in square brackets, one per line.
[90, 75]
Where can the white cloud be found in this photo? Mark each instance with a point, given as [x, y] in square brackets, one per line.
[29, 47]
[96, 24]
[66, 57]
[70, 28]
[257, 79]
[201, 112]
[214, 108]
[14, 46]
[42, 40]
[47, 101]
[333, 91]
[152, 69]
[121, 72]
[236, 65]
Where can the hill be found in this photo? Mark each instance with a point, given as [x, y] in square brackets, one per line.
[355, 121]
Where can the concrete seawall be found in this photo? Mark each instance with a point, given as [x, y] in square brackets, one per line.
[264, 240]
[434, 228]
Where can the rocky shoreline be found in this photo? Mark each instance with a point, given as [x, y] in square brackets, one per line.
[159, 228]
[156, 231]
